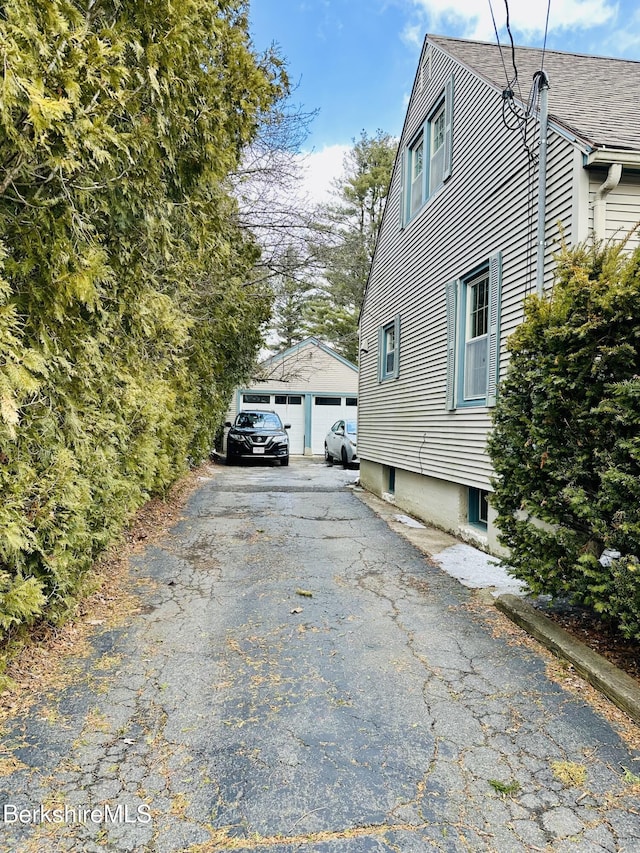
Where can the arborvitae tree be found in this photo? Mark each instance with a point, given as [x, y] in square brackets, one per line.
[566, 440]
[126, 305]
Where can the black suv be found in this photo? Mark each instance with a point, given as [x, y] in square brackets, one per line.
[257, 435]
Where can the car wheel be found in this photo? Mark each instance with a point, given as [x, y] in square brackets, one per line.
[231, 460]
[345, 459]
[327, 456]
[284, 461]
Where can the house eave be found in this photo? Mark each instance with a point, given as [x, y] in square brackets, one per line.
[607, 156]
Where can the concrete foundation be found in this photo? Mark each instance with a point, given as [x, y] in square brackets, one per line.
[438, 502]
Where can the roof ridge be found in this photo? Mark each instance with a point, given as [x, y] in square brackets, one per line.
[547, 51]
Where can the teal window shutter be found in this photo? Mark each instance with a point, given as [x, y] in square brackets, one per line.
[448, 128]
[451, 295]
[403, 201]
[495, 285]
[380, 354]
[396, 363]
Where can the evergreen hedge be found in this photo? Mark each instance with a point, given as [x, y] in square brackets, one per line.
[126, 315]
[566, 442]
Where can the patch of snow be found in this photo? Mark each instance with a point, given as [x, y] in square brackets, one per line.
[477, 570]
[410, 522]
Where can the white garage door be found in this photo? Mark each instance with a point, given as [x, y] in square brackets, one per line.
[325, 411]
[290, 408]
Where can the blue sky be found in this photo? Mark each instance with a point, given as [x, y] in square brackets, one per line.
[354, 60]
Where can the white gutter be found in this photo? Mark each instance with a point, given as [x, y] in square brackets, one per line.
[600, 201]
[606, 156]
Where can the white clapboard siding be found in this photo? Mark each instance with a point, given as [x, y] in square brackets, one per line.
[622, 206]
[306, 369]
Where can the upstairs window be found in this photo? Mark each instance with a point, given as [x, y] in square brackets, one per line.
[416, 171]
[427, 158]
[437, 129]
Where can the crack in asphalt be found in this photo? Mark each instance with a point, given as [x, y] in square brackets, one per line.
[379, 710]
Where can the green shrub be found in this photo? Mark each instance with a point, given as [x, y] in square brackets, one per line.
[566, 441]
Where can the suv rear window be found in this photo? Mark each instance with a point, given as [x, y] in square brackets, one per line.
[258, 420]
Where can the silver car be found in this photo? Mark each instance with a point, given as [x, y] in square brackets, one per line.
[340, 443]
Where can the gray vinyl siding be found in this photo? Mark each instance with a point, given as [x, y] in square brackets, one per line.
[488, 205]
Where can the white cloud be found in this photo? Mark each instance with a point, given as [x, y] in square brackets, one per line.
[413, 34]
[525, 17]
[320, 169]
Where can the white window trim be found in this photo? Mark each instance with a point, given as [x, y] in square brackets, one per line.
[383, 373]
[456, 321]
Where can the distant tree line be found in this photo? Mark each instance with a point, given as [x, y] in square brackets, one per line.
[319, 285]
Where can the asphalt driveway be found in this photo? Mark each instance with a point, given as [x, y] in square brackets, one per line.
[299, 677]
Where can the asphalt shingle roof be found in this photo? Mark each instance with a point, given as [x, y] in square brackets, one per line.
[596, 98]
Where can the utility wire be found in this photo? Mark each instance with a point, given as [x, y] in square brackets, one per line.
[517, 119]
[512, 118]
[513, 51]
[546, 30]
[495, 28]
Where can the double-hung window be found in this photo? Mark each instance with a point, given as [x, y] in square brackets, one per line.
[428, 155]
[476, 339]
[389, 350]
[473, 336]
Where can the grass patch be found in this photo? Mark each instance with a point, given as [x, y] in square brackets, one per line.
[569, 773]
[506, 789]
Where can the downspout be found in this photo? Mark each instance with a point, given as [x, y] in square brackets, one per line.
[600, 201]
[543, 89]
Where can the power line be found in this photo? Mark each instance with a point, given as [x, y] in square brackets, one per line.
[513, 50]
[493, 18]
[516, 118]
[546, 30]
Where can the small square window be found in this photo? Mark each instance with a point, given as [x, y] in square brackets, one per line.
[351, 401]
[479, 507]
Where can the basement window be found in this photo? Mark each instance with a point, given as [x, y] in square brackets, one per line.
[479, 507]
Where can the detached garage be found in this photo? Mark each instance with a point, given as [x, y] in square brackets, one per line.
[310, 386]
